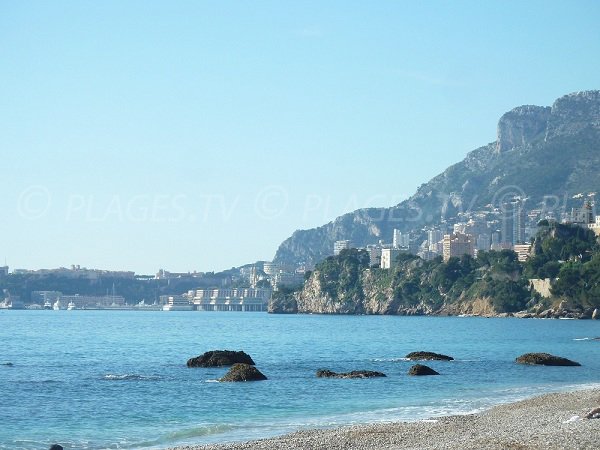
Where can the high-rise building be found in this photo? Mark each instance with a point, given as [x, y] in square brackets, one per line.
[483, 242]
[388, 257]
[400, 240]
[433, 239]
[457, 244]
[512, 223]
[338, 246]
[374, 255]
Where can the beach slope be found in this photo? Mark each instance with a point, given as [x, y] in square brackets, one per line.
[544, 422]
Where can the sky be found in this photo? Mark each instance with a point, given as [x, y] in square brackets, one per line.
[140, 135]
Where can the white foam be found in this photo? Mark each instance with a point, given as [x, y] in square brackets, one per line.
[572, 419]
[130, 377]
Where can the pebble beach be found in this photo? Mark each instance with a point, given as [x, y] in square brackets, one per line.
[550, 421]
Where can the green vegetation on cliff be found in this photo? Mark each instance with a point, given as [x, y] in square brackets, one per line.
[494, 282]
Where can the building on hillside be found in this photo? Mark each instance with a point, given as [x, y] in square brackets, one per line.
[582, 216]
[389, 257]
[400, 240]
[522, 251]
[513, 222]
[434, 239]
[427, 255]
[483, 242]
[163, 274]
[338, 246]
[271, 268]
[595, 227]
[456, 245]
[287, 279]
[374, 252]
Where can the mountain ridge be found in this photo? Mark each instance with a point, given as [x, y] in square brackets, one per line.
[559, 144]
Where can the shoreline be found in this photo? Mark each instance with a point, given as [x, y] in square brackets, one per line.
[541, 422]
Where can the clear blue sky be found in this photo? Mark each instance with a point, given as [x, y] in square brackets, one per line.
[199, 135]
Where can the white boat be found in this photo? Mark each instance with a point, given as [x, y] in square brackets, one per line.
[178, 303]
[47, 304]
[71, 306]
[56, 305]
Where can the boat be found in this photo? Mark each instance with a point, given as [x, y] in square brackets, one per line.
[47, 304]
[70, 306]
[10, 303]
[178, 303]
[56, 305]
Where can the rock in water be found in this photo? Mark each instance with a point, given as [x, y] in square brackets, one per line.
[324, 373]
[428, 356]
[243, 372]
[420, 369]
[545, 359]
[220, 358]
[56, 447]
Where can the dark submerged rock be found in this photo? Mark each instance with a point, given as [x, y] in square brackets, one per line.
[324, 373]
[56, 447]
[243, 372]
[220, 358]
[420, 369]
[428, 356]
[545, 359]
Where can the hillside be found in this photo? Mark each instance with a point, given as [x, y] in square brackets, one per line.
[546, 154]
[493, 284]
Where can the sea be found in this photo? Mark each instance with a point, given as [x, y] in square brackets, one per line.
[118, 379]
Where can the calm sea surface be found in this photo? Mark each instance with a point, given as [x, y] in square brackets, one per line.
[118, 379]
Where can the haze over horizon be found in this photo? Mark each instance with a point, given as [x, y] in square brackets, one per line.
[199, 135]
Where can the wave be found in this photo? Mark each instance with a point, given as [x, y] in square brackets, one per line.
[186, 435]
[389, 359]
[211, 381]
[408, 359]
[130, 377]
[587, 339]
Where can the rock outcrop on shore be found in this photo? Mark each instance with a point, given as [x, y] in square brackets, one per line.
[324, 373]
[428, 356]
[545, 359]
[421, 370]
[220, 358]
[243, 372]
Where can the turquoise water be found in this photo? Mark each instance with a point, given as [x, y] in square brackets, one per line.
[118, 379]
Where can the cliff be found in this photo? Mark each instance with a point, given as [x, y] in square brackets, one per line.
[495, 283]
[346, 285]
